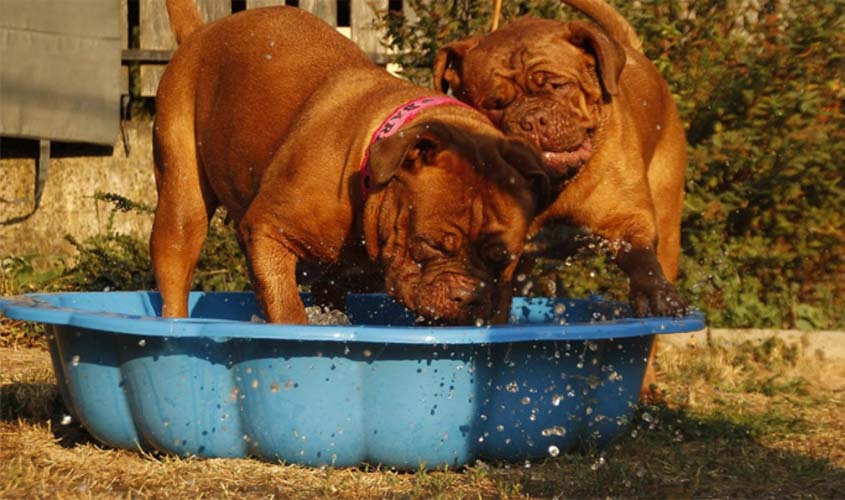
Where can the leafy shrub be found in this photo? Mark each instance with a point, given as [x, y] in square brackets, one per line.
[760, 87]
[115, 261]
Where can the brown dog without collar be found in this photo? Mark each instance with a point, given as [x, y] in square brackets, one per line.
[608, 128]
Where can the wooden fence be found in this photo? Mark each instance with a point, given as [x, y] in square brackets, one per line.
[151, 42]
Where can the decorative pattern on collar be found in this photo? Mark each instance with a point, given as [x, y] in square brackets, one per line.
[400, 116]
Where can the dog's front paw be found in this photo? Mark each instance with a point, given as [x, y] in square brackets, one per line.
[656, 297]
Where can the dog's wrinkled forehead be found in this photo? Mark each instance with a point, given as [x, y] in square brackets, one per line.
[519, 49]
[467, 201]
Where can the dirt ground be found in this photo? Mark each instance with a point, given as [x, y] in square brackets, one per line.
[738, 422]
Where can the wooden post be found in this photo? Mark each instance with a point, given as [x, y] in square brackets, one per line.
[362, 16]
[42, 169]
[497, 12]
[325, 10]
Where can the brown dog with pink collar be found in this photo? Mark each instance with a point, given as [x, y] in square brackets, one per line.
[319, 155]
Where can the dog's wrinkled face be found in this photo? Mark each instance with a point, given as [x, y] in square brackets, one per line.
[451, 219]
[538, 79]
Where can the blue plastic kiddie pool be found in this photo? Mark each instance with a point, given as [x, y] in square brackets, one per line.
[564, 373]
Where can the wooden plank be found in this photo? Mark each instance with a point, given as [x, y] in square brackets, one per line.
[124, 44]
[156, 33]
[251, 4]
[362, 16]
[147, 56]
[324, 9]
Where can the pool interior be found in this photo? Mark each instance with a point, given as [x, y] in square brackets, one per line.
[362, 309]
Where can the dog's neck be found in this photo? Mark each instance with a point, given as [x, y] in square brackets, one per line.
[393, 123]
[560, 178]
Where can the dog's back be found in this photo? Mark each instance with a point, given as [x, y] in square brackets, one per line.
[241, 83]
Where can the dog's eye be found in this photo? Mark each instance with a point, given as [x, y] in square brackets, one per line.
[496, 102]
[423, 249]
[563, 86]
[495, 253]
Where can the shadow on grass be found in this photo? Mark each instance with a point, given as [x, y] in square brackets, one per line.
[669, 453]
[38, 402]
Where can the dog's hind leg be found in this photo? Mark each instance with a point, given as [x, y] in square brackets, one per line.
[666, 183]
[185, 205]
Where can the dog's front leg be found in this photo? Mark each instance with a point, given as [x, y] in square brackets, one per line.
[650, 293]
[272, 263]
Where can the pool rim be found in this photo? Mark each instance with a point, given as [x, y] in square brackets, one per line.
[36, 307]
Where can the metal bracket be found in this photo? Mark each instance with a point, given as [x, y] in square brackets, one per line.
[42, 170]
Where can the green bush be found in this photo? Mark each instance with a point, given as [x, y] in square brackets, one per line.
[115, 261]
[761, 90]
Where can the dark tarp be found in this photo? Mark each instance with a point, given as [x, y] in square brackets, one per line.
[60, 69]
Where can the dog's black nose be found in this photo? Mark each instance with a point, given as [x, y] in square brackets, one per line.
[472, 302]
[535, 121]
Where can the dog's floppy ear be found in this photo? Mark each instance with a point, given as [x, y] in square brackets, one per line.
[409, 148]
[420, 142]
[448, 64]
[609, 54]
[526, 160]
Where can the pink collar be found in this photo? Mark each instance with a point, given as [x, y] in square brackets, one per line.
[400, 116]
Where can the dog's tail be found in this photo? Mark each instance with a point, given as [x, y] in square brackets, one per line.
[185, 17]
[608, 18]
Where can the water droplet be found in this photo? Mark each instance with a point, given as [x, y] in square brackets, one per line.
[647, 417]
[526, 400]
[512, 387]
[274, 387]
[66, 419]
[560, 309]
[142, 342]
[557, 430]
[479, 322]
[75, 360]
[554, 451]
[254, 383]
[500, 427]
